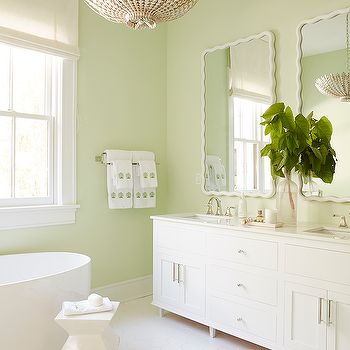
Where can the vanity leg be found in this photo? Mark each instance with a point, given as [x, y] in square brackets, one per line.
[212, 332]
[162, 312]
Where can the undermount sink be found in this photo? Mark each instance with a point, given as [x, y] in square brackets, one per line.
[217, 219]
[332, 232]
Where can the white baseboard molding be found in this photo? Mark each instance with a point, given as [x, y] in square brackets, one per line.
[127, 290]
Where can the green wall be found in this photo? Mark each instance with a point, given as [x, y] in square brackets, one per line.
[142, 90]
[121, 105]
[216, 104]
[208, 24]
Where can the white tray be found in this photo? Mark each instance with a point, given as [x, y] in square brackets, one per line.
[264, 224]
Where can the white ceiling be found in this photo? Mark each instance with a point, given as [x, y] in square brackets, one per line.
[324, 36]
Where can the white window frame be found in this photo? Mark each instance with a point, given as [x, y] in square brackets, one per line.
[60, 207]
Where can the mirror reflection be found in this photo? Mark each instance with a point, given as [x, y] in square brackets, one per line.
[324, 52]
[238, 88]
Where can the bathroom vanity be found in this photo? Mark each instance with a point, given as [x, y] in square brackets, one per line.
[285, 288]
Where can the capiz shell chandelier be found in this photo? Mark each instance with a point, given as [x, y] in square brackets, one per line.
[337, 84]
[140, 14]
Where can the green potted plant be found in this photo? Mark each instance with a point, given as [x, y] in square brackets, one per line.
[300, 144]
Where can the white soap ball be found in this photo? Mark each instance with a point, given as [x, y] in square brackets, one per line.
[95, 300]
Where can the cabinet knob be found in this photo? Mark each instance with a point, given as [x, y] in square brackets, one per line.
[241, 251]
[239, 319]
[240, 285]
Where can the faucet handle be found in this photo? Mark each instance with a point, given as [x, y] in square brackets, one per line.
[342, 222]
[228, 211]
[210, 209]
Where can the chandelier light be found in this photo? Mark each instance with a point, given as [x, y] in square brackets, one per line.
[140, 14]
[337, 84]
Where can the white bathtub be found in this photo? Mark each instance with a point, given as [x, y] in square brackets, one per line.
[32, 289]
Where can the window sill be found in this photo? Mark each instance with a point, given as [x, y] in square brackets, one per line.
[35, 216]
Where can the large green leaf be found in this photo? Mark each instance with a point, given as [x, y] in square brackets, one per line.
[327, 170]
[292, 143]
[288, 119]
[323, 129]
[274, 109]
[317, 153]
[302, 124]
[266, 150]
[284, 160]
[310, 116]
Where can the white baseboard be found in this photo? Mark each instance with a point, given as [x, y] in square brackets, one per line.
[127, 290]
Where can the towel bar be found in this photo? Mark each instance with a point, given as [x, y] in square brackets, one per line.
[101, 159]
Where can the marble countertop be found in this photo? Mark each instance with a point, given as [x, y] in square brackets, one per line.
[302, 230]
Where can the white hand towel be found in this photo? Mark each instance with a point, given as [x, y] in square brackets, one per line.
[84, 307]
[117, 199]
[148, 174]
[122, 174]
[143, 197]
[216, 173]
[223, 177]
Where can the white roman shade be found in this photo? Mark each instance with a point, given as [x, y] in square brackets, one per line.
[250, 68]
[50, 25]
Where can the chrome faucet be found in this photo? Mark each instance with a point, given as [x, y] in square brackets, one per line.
[342, 222]
[218, 206]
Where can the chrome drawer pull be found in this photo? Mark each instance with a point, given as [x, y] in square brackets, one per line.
[320, 303]
[239, 319]
[173, 273]
[240, 285]
[329, 313]
[241, 251]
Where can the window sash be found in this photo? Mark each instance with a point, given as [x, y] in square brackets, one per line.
[53, 77]
[49, 199]
[258, 139]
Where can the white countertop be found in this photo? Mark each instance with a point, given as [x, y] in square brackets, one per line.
[234, 224]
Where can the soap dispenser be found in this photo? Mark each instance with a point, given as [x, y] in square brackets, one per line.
[242, 207]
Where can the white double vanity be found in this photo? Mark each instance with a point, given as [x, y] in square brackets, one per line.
[285, 288]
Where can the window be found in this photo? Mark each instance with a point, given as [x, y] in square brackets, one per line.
[37, 117]
[251, 173]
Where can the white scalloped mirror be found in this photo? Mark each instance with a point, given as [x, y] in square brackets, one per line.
[238, 85]
[322, 50]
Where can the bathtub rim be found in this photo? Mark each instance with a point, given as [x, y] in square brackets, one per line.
[86, 262]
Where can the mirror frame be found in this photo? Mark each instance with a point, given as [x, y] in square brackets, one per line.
[272, 61]
[300, 91]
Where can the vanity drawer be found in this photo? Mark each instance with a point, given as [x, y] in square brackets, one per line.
[224, 280]
[243, 251]
[237, 317]
[316, 263]
[185, 238]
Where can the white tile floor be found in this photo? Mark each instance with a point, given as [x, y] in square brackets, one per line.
[140, 328]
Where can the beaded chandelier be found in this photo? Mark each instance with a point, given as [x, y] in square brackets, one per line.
[139, 14]
[337, 84]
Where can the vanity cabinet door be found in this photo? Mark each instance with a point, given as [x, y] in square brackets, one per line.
[339, 321]
[305, 318]
[192, 279]
[167, 282]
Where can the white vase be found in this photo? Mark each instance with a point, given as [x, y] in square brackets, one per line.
[287, 196]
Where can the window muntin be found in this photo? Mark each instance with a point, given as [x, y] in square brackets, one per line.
[28, 118]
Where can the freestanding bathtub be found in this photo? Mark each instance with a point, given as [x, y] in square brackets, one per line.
[32, 289]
